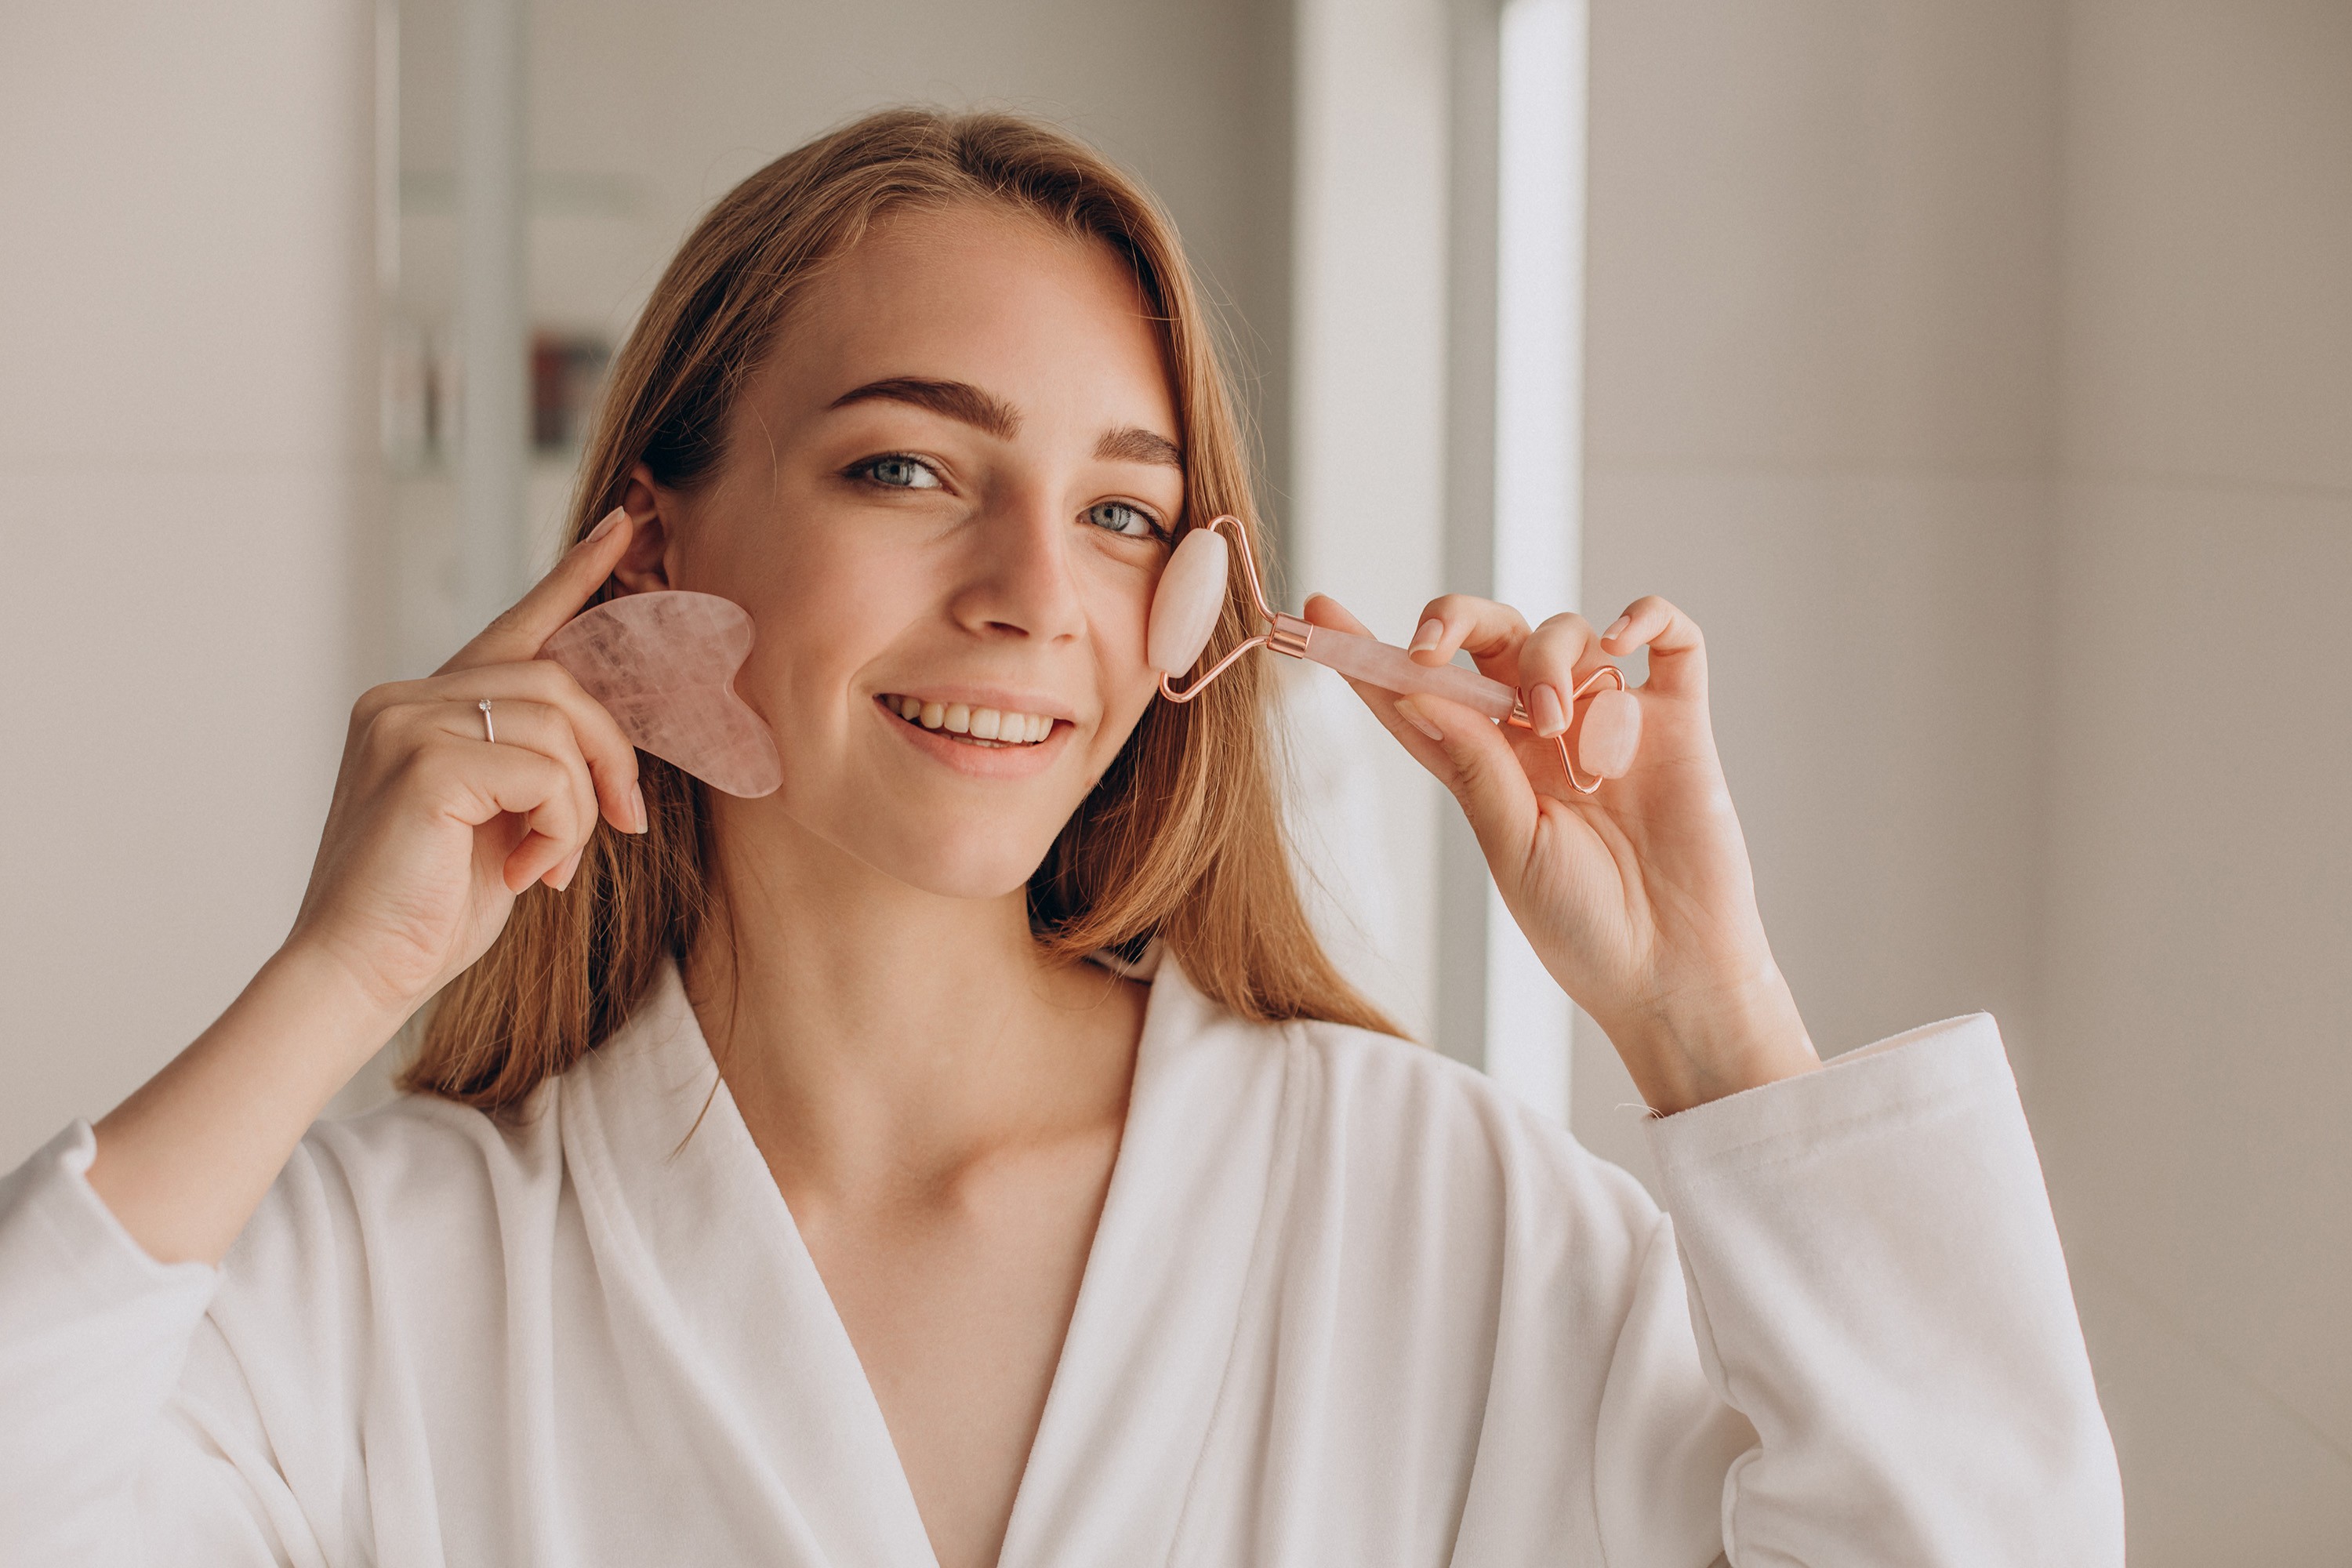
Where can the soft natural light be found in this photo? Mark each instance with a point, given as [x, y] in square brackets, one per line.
[1539, 455]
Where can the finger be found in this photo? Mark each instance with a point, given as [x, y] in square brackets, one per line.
[1322, 610]
[1482, 770]
[535, 726]
[1491, 633]
[523, 626]
[476, 784]
[1555, 659]
[1677, 651]
[611, 757]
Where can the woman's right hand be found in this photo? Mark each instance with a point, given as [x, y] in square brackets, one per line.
[435, 831]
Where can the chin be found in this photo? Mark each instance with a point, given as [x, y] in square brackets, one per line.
[983, 863]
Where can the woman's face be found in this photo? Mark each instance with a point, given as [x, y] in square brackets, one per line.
[947, 494]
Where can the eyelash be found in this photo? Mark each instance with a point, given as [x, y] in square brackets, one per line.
[863, 468]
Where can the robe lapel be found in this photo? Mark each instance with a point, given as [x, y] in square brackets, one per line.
[1159, 1305]
[733, 1346]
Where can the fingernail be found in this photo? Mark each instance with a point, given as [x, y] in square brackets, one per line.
[612, 520]
[1417, 719]
[637, 800]
[1427, 637]
[571, 869]
[1619, 624]
[1545, 708]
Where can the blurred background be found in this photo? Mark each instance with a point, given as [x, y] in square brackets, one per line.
[1979, 375]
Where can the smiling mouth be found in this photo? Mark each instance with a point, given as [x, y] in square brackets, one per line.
[992, 727]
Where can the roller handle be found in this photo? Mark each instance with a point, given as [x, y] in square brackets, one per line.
[1393, 669]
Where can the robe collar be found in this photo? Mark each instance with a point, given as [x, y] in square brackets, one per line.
[709, 1269]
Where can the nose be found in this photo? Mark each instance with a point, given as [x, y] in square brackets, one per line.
[1019, 578]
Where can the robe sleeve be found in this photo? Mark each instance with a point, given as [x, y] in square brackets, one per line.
[104, 1459]
[1875, 1282]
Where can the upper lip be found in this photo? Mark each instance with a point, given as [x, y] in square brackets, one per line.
[996, 697]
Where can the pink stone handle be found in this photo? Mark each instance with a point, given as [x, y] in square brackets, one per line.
[1393, 669]
[664, 666]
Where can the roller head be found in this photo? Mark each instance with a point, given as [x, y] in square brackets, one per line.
[1611, 735]
[1184, 608]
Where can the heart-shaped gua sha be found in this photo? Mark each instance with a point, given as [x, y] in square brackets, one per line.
[664, 666]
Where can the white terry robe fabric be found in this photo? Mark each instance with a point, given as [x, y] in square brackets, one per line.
[1348, 1304]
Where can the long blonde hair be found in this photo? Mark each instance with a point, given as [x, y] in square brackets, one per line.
[1181, 839]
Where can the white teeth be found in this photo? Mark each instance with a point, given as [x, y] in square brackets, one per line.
[996, 724]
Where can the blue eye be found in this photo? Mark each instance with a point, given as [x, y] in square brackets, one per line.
[900, 472]
[1117, 517]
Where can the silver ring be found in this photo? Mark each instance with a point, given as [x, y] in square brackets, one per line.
[488, 734]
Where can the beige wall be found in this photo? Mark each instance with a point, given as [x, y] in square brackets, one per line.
[1981, 377]
[2194, 1087]
[184, 439]
[1820, 397]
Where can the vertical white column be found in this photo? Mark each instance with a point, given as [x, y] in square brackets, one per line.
[1368, 469]
[1537, 445]
[493, 447]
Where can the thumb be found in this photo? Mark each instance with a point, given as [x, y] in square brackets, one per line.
[1487, 776]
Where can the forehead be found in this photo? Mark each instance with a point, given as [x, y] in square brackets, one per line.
[1052, 323]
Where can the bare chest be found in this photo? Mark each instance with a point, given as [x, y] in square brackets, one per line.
[958, 1303]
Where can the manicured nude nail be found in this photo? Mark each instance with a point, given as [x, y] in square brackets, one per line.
[612, 520]
[1545, 708]
[1417, 719]
[637, 805]
[1619, 624]
[570, 869]
[1426, 638]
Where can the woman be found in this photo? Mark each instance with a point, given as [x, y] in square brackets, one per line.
[966, 1153]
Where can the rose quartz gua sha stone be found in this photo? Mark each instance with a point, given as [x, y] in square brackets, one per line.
[664, 666]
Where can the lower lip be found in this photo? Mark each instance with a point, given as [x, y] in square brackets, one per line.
[976, 761]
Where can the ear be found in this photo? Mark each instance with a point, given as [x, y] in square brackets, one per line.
[644, 566]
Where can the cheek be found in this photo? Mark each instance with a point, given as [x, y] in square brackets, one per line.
[1117, 627]
[814, 611]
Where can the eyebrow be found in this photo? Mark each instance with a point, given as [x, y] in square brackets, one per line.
[957, 400]
[962, 402]
[1130, 444]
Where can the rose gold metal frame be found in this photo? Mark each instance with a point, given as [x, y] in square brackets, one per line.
[1291, 634]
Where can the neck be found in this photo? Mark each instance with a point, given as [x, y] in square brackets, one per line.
[871, 1031]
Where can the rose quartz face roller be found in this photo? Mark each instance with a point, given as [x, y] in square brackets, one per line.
[1192, 590]
[663, 665]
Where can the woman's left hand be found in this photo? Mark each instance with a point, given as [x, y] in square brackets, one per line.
[1637, 897]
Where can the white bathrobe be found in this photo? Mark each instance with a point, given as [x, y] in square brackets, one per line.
[1348, 1305]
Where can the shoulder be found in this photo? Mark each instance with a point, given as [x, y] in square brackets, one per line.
[1406, 1103]
[1423, 1161]
[1440, 1141]
[414, 1178]
[1426, 1237]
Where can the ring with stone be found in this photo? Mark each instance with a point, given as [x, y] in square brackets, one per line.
[489, 734]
